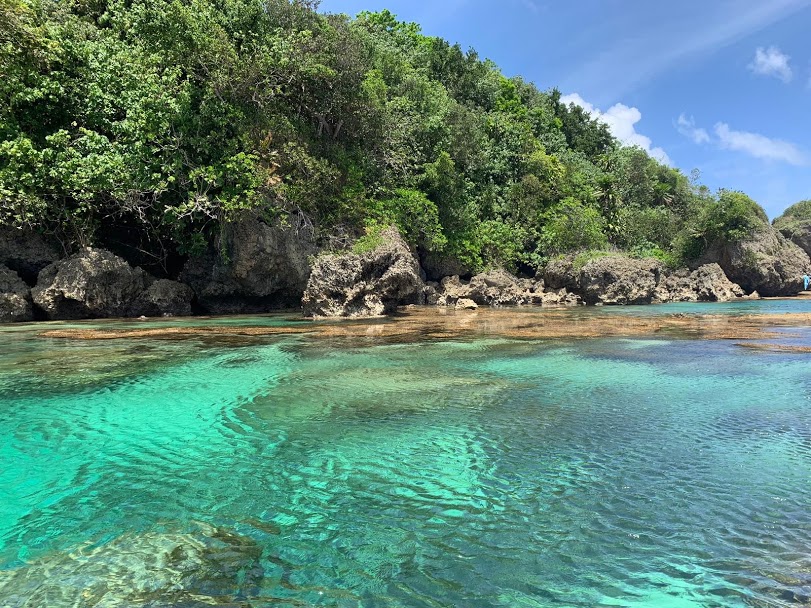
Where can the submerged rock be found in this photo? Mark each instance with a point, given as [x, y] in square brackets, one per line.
[766, 262]
[367, 284]
[91, 283]
[211, 567]
[265, 267]
[15, 298]
[25, 252]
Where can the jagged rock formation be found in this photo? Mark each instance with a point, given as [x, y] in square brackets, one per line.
[164, 298]
[367, 284]
[265, 267]
[493, 288]
[765, 262]
[91, 283]
[15, 298]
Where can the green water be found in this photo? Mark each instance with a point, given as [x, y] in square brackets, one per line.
[304, 471]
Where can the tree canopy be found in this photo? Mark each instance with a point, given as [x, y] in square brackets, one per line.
[150, 124]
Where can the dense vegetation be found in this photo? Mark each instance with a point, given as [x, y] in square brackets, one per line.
[151, 123]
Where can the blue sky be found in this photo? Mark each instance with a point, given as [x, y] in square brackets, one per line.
[723, 86]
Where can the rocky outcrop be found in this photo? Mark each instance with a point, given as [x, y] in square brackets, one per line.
[766, 262]
[619, 279]
[367, 284]
[799, 233]
[15, 298]
[164, 298]
[493, 288]
[25, 252]
[91, 283]
[264, 267]
[707, 283]
[437, 266]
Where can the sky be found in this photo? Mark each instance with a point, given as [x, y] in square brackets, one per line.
[722, 86]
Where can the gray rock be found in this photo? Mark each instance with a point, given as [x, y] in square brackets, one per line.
[91, 283]
[25, 252]
[265, 267]
[766, 262]
[15, 298]
[363, 285]
[617, 279]
[164, 298]
[465, 304]
[798, 232]
[707, 283]
[493, 288]
[438, 266]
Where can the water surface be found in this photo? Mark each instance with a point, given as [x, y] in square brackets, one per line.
[307, 470]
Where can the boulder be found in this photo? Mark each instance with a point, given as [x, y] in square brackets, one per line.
[265, 267]
[465, 304]
[25, 252]
[766, 262]
[708, 283]
[367, 284]
[15, 298]
[164, 298]
[493, 288]
[91, 283]
[618, 279]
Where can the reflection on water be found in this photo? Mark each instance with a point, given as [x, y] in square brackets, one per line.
[322, 470]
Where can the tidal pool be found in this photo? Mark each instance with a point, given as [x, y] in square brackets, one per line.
[399, 462]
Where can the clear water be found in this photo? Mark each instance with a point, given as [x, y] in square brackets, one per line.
[303, 471]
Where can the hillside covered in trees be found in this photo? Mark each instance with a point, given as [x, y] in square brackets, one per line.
[147, 126]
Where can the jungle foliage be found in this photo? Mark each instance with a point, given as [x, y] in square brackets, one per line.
[155, 122]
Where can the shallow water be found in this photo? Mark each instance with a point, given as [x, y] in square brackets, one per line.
[473, 471]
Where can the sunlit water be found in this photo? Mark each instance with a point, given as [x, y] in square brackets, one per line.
[302, 471]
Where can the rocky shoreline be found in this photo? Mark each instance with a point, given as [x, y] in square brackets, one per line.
[277, 267]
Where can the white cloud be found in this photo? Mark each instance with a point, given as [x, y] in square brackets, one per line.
[687, 127]
[621, 121]
[759, 146]
[772, 62]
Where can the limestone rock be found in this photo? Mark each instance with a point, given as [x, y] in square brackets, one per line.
[707, 283]
[25, 252]
[15, 298]
[766, 262]
[164, 298]
[266, 267]
[618, 279]
[438, 266]
[465, 304]
[91, 283]
[493, 288]
[367, 284]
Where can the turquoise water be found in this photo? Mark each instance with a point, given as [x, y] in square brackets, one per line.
[306, 471]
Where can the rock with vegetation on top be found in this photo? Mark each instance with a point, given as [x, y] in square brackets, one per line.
[25, 252]
[795, 225]
[164, 298]
[91, 283]
[262, 266]
[708, 283]
[766, 262]
[15, 298]
[365, 284]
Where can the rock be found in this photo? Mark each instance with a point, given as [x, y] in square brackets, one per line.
[208, 567]
[798, 232]
[492, 288]
[707, 283]
[618, 279]
[465, 304]
[438, 266]
[25, 252]
[560, 273]
[15, 298]
[766, 262]
[560, 297]
[164, 298]
[266, 267]
[91, 283]
[367, 284]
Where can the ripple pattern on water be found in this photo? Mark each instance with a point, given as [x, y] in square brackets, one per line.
[480, 473]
